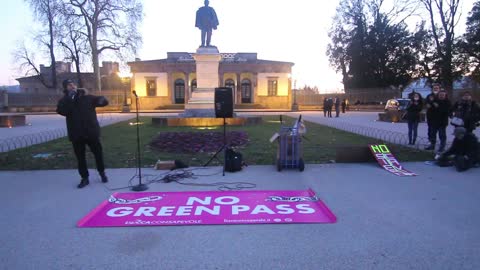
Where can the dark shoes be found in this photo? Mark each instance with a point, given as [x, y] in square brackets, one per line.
[430, 147]
[84, 182]
[442, 148]
[104, 177]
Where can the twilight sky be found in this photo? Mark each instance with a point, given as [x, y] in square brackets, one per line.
[292, 31]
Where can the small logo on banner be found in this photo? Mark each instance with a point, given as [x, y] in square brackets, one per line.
[112, 199]
[291, 199]
[388, 161]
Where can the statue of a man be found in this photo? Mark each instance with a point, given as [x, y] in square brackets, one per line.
[206, 20]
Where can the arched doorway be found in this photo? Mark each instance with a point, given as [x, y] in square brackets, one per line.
[231, 84]
[179, 91]
[246, 91]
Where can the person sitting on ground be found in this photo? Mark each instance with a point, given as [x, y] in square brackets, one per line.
[464, 150]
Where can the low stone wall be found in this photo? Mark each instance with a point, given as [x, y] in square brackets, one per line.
[396, 116]
[274, 102]
[12, 120]
[205, 121]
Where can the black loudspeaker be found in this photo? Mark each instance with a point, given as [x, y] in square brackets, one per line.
[223, 102]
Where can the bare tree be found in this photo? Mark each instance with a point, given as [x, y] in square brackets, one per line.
[446, 12]
[108, 25]
[74, 43]
[46, 12]
[25, 58]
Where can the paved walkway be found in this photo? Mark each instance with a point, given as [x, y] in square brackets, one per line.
[47, 127]
[430, 221]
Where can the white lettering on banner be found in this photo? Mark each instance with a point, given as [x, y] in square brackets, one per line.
[262, 209]
[122, 211]
[206, 201]
[284, 209]
[215, 211]
[220, 200]
[146, 211]
[166, 211]
[306, 209]
[236, 209]
[184, 210]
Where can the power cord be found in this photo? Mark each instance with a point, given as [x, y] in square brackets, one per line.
[180, 175]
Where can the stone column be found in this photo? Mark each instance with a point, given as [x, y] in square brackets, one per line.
[201, 101]
[170, 87]
[238, 96]
[188, 87]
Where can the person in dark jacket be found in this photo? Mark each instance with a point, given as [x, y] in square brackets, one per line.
[413, 117]
[329, 107]
[467, 110]
[337, 107]
[464, 150]
[431, 105]
[82, 126]
[439, 119]
[325, 107]
[344, 105]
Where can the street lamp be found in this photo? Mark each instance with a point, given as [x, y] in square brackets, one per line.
[126, 79]
[295, 105]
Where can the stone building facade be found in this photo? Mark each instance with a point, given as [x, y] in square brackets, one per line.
[256, 83]
[33, 85]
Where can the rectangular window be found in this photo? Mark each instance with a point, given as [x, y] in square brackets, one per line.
[272, 87]
[151, 87]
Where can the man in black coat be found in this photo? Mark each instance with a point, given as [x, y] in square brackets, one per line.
[439, 119]
[82, 126]
[432, 105]
[464, 149]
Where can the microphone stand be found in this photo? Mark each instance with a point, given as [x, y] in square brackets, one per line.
[140, 186]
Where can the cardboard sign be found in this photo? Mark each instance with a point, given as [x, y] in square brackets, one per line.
[208, 207]
[388, 161]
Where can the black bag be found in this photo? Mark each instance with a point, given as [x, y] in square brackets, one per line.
[233, 160]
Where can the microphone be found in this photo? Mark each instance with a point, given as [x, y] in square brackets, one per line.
[135, 93]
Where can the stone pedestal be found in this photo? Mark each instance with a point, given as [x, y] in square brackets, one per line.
[201, 100]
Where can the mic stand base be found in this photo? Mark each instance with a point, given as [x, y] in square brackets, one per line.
[140, 187]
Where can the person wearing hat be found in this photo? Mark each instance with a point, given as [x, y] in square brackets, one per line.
[82, 125]
[464, 149]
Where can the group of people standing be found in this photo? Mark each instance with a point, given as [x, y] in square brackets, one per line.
[464, 115]
[329, 103]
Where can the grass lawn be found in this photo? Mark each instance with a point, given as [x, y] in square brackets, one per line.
[119, 143]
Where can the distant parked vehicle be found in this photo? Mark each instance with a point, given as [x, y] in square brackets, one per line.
[398, 104]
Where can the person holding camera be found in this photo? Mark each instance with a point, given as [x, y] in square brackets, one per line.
[82, 125]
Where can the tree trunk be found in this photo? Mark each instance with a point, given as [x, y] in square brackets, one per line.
[96, 66]
[53, 66]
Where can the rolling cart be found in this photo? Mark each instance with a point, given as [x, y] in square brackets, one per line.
[290, 150]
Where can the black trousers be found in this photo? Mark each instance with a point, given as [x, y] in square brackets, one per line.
[96, 148]
[442, 134]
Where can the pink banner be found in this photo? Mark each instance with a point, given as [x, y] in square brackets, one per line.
[210, 207]
[388, 161]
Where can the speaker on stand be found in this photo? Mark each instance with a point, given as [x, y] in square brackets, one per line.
[223, 109]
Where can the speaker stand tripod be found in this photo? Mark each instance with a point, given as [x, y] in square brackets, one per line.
[223, 148]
